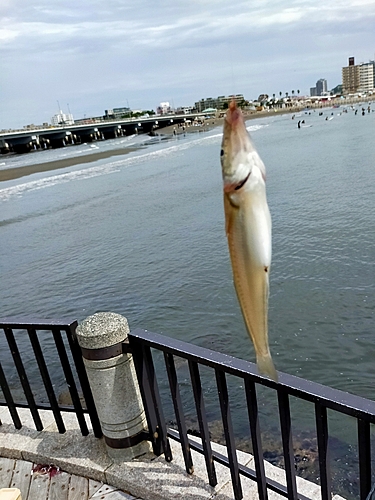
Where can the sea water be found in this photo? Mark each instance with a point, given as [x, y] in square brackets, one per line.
[143, 235]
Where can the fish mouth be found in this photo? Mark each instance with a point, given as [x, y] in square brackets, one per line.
[229, 188]
[234, 114]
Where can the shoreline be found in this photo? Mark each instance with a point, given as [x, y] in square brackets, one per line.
[18, 172]
[215, 122]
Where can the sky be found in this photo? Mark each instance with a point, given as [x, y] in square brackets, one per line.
[87, 56]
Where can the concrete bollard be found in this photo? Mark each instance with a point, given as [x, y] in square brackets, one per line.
[114, 385]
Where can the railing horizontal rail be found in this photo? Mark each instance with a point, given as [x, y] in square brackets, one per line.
[23, 323]
[334, 399]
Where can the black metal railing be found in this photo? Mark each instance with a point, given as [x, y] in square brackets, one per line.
[144, 345]
[323, 398]
[20, 336]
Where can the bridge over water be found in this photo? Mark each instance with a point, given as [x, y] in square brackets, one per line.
[24, 141]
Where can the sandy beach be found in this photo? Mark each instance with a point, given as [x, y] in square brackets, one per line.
[15, 173]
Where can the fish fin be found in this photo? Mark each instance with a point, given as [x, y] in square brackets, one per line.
[266, 366]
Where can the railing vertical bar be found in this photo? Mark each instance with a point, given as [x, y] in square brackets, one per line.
[23, 377]
[364, 455]
[202, 420]
[179, 412]
[70, 380]
[46, 379]
[286, 434]
[84, 381]
[146, 393]
[228, 432]
[151, 397]
[162, 428]
[252, 408]
[9, 399]
[322, 436]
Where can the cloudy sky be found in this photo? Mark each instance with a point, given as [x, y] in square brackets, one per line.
[98, 54]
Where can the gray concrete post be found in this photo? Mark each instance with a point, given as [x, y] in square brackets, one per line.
[114, 384]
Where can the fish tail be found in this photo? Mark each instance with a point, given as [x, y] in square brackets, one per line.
[266, 366]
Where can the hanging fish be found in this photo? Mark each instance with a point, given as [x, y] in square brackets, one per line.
[248, 229]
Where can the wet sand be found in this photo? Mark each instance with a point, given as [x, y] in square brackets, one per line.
[17, 172]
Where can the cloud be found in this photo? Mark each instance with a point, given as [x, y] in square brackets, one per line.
[99, 51]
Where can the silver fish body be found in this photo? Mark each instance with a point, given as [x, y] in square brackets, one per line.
[248, 229]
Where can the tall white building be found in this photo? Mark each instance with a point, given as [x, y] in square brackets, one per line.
[62, 119]
[321, 87]
[366, 76]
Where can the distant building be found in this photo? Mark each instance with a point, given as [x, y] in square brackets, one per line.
[220, 102]
[358, 77]
[366, 76]
[350, 77]
[262, 98]
[116, 113]
[202, 104]
[185, 110]
[163, 108]
[62, 119]
[313, 91]
[321, 87]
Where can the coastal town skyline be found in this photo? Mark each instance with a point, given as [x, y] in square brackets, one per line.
[93, 56]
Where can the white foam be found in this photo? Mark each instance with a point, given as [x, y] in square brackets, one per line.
[254, 128]
[20, 189]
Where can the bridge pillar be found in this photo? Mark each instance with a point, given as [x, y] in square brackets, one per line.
[114, 385]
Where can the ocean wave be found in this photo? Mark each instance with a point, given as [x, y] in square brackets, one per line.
[254, 128]
[20, 189]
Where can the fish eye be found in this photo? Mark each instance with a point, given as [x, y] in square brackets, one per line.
[222, 152]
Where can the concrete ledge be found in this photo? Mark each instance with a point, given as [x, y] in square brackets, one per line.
[147, 477]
